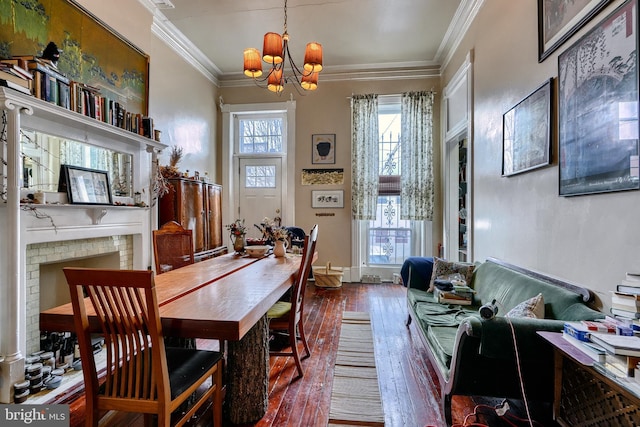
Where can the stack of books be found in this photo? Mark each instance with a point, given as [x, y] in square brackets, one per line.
[460, 294]
[625, 300]
[15, 77]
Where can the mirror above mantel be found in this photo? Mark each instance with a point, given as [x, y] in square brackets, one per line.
[43, 154]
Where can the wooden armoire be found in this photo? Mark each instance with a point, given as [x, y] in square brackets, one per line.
[196, 206]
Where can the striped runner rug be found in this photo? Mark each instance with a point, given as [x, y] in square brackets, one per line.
[355, 395]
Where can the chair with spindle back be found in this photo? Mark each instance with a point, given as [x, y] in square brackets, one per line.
[172, 247]
[141, 375]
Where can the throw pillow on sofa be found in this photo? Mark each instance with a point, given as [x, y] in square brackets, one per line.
[533, 308]
[444, 268]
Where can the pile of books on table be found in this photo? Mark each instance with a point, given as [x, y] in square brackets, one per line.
[625, 300]
[611, 343]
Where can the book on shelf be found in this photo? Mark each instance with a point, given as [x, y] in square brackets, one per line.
[629, 287]
[576, 330]
[10, 77]
[14, 86]
[594, 351]
[624, 313]
[621, 345]
[600, 325]
[15, 69]
[625, 298]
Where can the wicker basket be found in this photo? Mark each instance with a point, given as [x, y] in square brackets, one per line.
[327, 277]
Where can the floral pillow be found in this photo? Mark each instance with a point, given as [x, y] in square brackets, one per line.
[443, 268]
[533, 308]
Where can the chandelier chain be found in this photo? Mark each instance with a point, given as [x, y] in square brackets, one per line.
[285, 16]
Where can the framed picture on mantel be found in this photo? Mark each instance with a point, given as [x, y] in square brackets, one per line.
[85, 186]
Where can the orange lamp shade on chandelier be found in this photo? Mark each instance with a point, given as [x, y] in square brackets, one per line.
[275, 53]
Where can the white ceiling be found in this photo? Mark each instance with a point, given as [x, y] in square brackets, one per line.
[392, 36]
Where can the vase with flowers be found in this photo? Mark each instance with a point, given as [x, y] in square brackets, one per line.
[275, 235]
[237, 231]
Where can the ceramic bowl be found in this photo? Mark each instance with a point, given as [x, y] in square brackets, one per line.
[256, 251]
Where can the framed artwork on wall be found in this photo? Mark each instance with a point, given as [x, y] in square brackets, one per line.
[560, 19]
[92, 52]
[598, 107]
[322, 176]
[327, 199]
[526, 132]
[323, 148]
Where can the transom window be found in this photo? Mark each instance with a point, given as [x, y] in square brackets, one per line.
[259, 135]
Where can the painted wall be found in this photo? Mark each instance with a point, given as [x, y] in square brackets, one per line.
[590, 240]
[328, 110]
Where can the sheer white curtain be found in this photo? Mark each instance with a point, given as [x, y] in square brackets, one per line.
[416, 179]
[364, 156]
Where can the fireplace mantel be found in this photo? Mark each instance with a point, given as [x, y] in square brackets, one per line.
[58, 223]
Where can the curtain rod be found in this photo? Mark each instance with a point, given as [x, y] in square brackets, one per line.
[389, 95]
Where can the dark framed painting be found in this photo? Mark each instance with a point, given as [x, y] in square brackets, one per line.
[560, 19]
[598, 107]
[91, 52]
[526, 132]
[85, 186]
[323, 148]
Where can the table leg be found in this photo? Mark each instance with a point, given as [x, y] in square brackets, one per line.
[247, 397]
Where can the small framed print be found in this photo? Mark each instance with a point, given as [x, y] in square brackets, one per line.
[85, 186]
[323, 148]
[327, 199]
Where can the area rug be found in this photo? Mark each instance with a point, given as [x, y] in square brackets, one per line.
[355, 396]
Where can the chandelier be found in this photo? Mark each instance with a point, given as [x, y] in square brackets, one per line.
[275, 52]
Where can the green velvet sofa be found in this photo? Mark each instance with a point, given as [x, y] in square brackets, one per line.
[476, 357]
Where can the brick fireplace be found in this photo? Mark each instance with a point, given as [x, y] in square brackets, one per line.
[44, 280]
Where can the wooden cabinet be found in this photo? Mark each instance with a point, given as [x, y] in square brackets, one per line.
[196, 206]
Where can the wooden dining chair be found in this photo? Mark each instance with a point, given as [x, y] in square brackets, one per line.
[287, 315]
[172, 247]
[141, 375]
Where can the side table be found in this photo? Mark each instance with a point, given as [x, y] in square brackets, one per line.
[585, 394]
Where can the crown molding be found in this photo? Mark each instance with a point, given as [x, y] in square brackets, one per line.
[458, 28]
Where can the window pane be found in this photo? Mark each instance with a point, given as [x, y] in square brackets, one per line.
[260, 135]
[260, 177]
[390, 126]
[389, 236]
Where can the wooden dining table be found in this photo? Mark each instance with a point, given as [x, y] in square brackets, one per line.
[224, 298]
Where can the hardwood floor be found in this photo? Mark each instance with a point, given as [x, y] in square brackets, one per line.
[408, 385]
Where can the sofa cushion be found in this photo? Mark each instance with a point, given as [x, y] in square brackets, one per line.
[444, 268]
[533, 308]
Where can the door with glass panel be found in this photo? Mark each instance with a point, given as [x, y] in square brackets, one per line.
[260, 190]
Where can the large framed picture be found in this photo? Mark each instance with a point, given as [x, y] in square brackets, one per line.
[560, 19]
[598, 107]
[92, 52]
[323, 148]
[85, 186]
[526, 132]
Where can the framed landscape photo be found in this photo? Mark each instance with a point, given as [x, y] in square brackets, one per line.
[327, 199]
[560, 19]
[598, 107]
[85, 186]
[323, 148]
[526, 132]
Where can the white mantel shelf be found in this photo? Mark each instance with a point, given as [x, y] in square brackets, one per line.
[67, 118]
